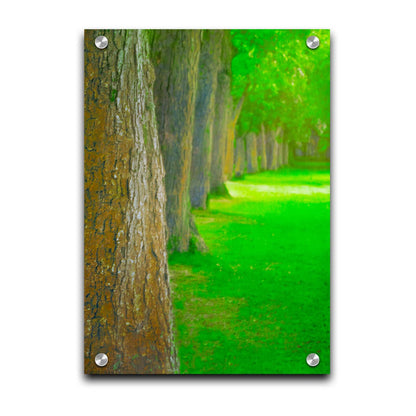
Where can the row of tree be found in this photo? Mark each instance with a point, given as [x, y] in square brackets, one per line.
[264, 87]
[163, 109]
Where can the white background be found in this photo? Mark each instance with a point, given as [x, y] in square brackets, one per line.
[373, 234]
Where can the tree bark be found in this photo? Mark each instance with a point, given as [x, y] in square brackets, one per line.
[261, 149]
[239, 158]
[175, 54]
[251, 151]
[223, 107]
[231, 142]
[128, 313]
[204, 117]
[272, 148]
[229, 145]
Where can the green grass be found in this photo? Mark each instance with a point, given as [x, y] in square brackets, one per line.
[258, 302]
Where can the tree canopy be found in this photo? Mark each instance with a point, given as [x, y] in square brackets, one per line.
[283, 82]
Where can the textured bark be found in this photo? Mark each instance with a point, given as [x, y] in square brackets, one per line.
[239, 158]
[204, 117]
[251, 152]
[127, 293]
[175, 54]
[261, 149]
[223, 106]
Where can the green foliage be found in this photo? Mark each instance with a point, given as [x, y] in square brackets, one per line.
[284, 82]
[259, 301]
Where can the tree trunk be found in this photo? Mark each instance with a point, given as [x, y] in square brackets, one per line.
[175, 54]
[273, 146]
[223, 106]
[280, 151]
[230, 144]
[272, 149]
[239, 158]
[261, 150]
[285, 153]
[204, 117]
[231, 148]
[127, 294]
[251, 151]
[291, 148]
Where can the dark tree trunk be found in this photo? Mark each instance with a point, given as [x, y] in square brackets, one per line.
[175, 54]
[223, 107]
[127, 294]
[251, 151]
[261, 149]
[204, 117]
[239, 158]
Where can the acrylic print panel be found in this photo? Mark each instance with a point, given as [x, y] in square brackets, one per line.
[207, 202]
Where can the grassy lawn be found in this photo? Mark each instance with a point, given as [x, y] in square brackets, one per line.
[258, 302]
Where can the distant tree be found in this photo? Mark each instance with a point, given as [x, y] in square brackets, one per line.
[239, 158]
[175, 55]
[209, 64]
[272, 147]
[234, 114]
[262, 149]
[284, 83]
[251, 153]
[223, 114]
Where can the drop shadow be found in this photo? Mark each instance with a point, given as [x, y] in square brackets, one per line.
[211, 378]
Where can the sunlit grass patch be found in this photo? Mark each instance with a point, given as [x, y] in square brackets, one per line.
[258, 302]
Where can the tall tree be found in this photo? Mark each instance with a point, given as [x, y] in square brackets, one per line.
[261, 149]
[229, 144]
[285, 152]
[234, 114]
[280, 150]
[175, 54]
[239, 158]
[127, 294]
[223, 112]
[204, 117]
[288, 84]
[272, 149]
[251, 152]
